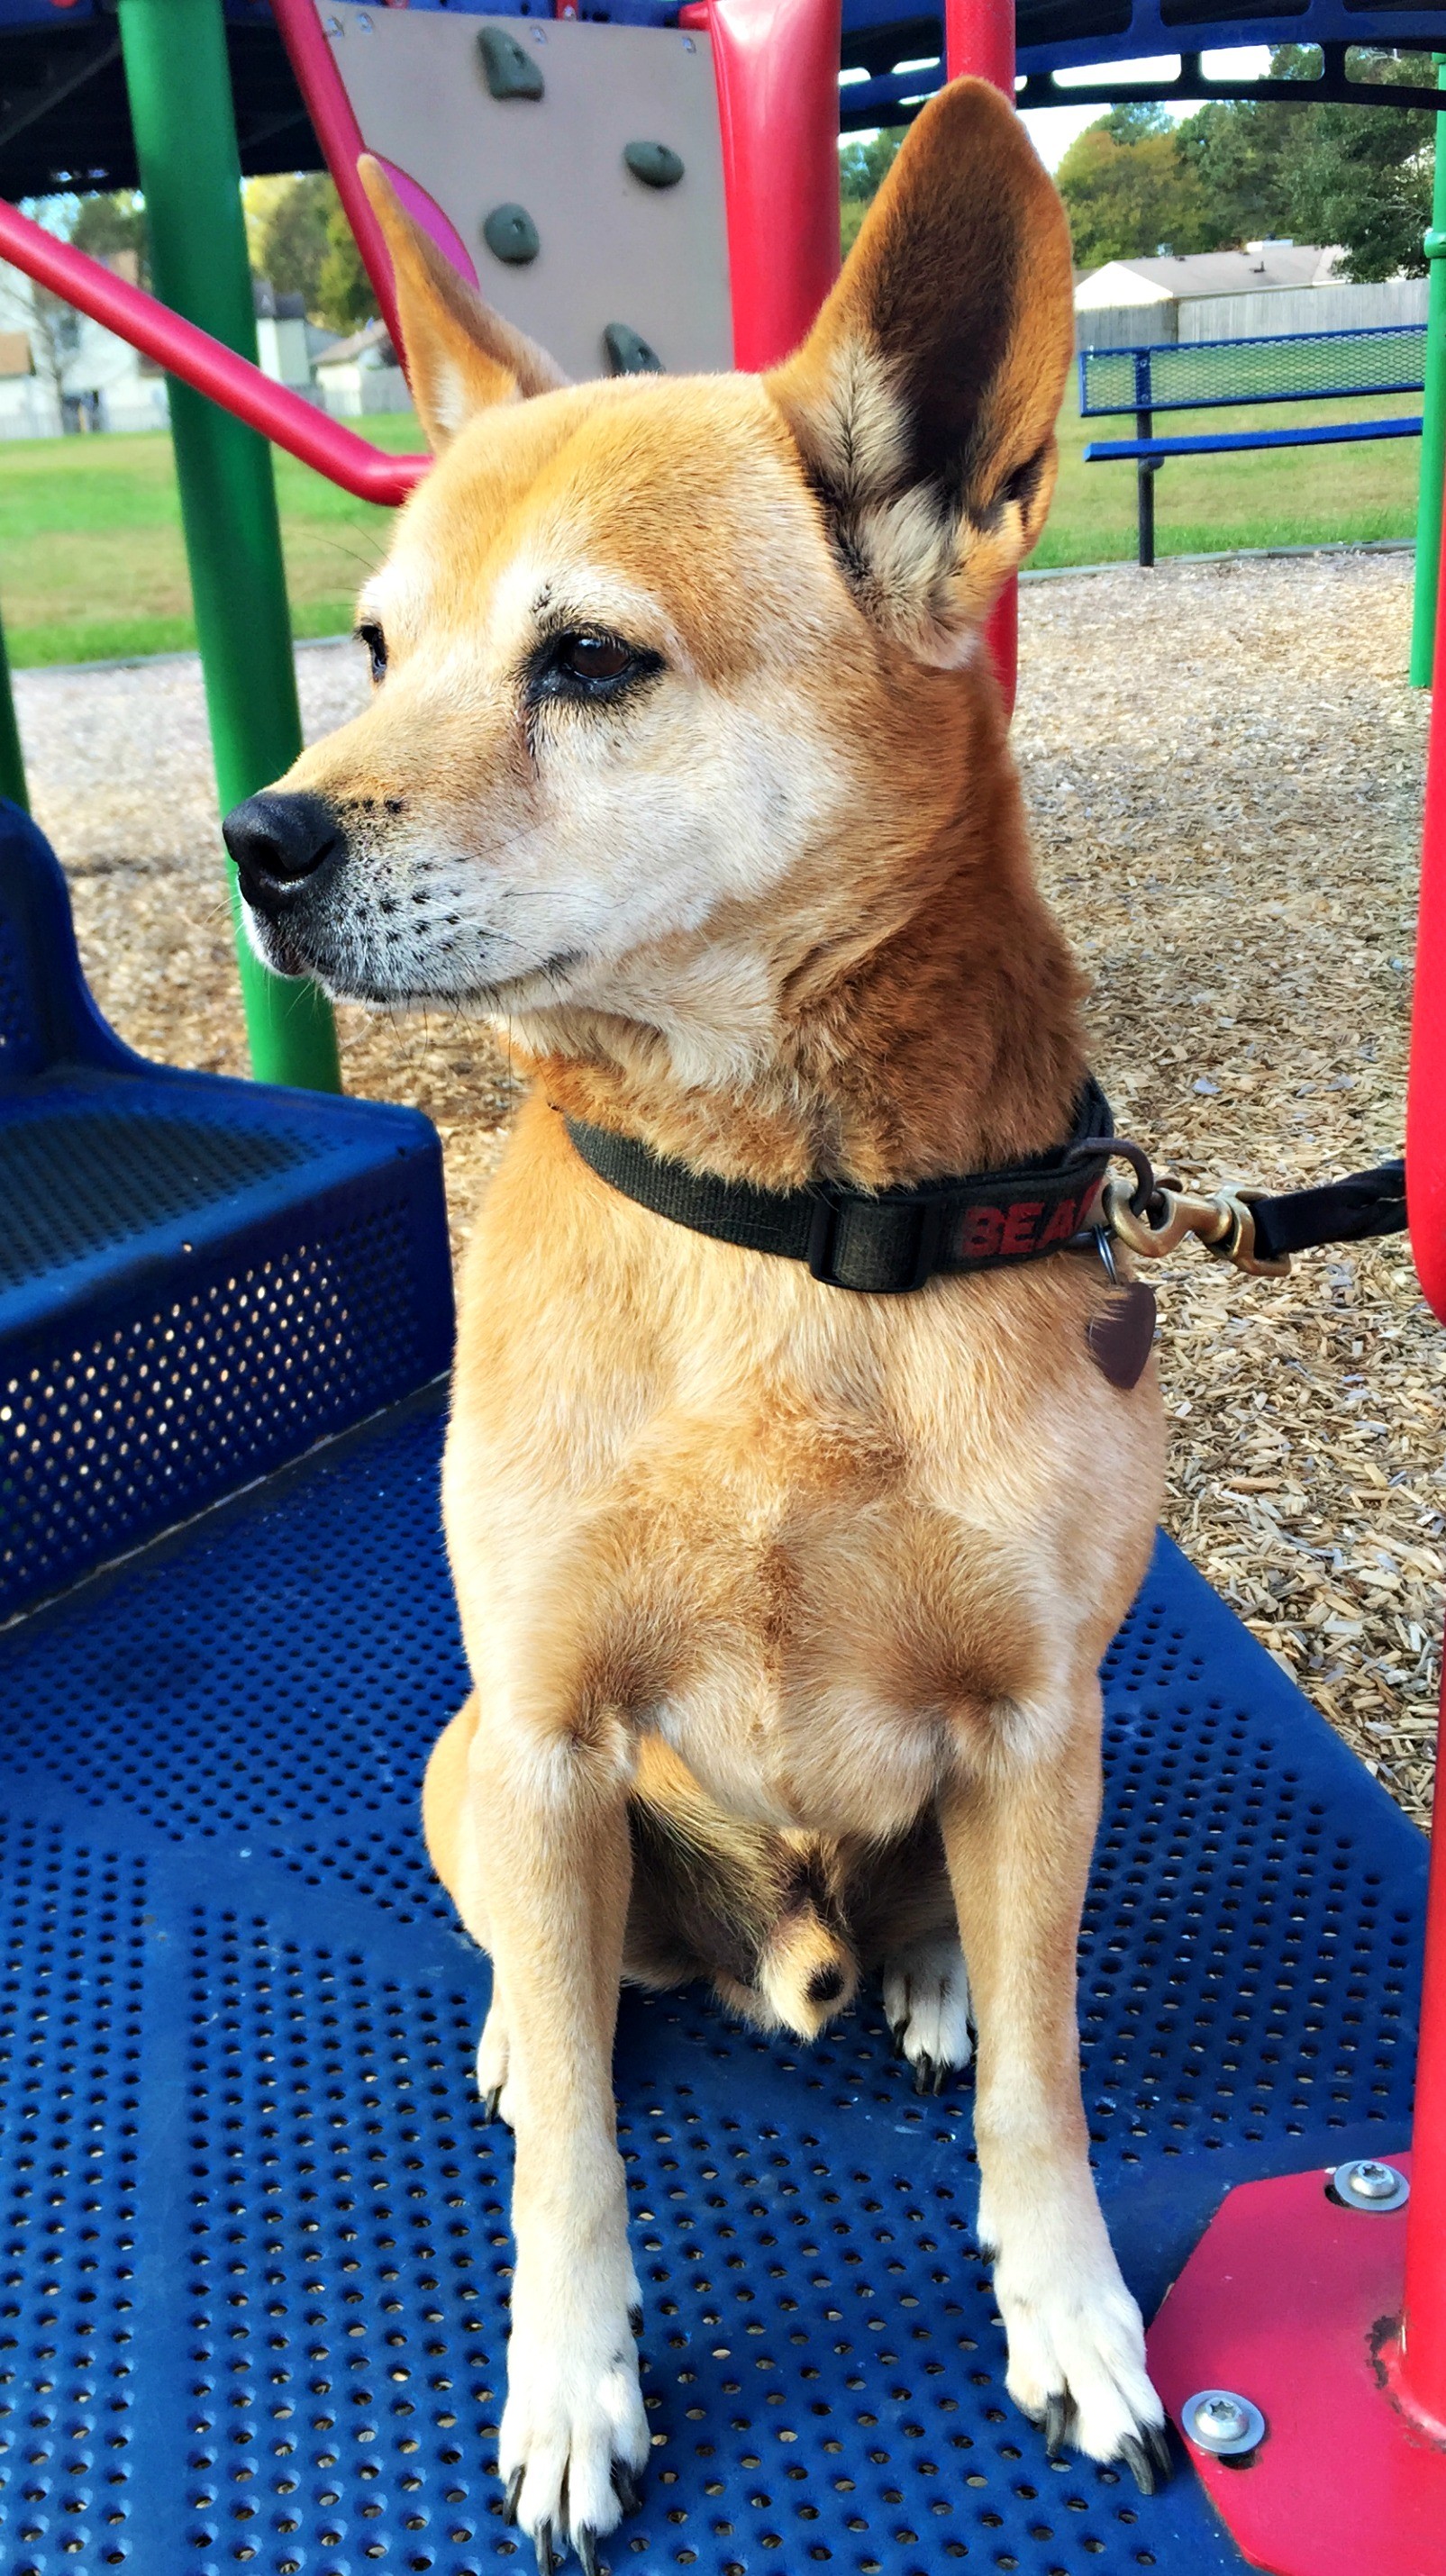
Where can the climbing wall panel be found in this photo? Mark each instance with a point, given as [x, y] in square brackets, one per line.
[552, 191]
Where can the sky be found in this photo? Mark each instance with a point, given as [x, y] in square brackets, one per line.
[1053, 129]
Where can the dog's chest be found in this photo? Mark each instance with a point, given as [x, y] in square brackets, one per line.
[827, 1651]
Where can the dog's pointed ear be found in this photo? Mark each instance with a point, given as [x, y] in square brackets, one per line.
[923, 403]
[461, 356]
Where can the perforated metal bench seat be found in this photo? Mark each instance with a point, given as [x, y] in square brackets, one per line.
[253, 2230]
[198, 1278]
[1338, 433]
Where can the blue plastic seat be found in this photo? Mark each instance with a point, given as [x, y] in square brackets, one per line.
[199, 1278]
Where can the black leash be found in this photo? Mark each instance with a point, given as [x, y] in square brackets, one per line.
[1337, 1212]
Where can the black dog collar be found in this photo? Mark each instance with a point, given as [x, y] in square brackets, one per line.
[886, 1242]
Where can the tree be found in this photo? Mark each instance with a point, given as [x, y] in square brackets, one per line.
[105, 226]
[862, 170]
[302, 244]
[53, 335]
[1241, 154]
[346, 297]
[1357, 176]
[288, 234]
[1363, 176]
[1130, 192]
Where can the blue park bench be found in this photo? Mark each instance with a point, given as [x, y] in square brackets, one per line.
[1204, 375]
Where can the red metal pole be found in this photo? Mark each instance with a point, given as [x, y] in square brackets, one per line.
[1423, 2332]
[340, 137]
[213, 369]
[1422, 2370]
[776, 66]
[979, 39]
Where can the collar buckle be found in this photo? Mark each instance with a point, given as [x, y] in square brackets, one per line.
[877, 1247]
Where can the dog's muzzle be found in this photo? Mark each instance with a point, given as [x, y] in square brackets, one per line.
[284, 848]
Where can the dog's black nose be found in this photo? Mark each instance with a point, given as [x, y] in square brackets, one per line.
[279, 841]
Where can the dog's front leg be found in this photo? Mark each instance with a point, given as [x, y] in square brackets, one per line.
[547, 1798]
[1018, 1837]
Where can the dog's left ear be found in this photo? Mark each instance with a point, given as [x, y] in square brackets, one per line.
[461, 356]
[923, 403]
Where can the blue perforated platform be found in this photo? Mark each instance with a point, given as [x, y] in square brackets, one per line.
[253, 2233]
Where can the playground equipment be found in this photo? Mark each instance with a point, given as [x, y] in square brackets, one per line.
[1205, 375]
[199, 1279]
[252, 2304]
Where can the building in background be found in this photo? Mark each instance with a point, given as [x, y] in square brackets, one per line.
[1267, 288]
[361, 374]
[287, 345]
[60, 372]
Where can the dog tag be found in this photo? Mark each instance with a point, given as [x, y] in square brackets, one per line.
[1120, 1338]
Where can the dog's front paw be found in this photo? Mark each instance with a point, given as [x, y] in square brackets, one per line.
[574, 2436]
[926, 1998]
[493, 2055]
[1077, 2360]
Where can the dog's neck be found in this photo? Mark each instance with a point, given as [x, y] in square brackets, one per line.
[937, 1033]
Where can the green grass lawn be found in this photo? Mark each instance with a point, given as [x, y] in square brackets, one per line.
[92, 564]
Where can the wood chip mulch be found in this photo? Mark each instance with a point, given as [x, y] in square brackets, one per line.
[1223, 764]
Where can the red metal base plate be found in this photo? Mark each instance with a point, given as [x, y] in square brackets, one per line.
[1291, 2301]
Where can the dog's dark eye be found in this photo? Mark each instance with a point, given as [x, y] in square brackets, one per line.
[376, 644]
[582, 666]
[593, 657]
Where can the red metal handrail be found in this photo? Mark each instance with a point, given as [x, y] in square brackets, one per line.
[341, 139]
[979, 40]
[178, 346]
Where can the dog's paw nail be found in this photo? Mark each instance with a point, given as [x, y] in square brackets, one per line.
[490, 2102]
[542, 2543]
[896, 2032]
[635, 2318]
[923, 2074]
[943, 2078]
[1057, 2412]
[624, 2489]
[586, 2547]
[1157, 2443]
[1141, 2462]
[514, 2490]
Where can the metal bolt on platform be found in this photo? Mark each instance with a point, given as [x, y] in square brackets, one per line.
[1220, 2421]
[1365, 2183]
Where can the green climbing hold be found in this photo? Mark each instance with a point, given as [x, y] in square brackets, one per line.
[654, 163]
[511, 234]
[512, 72]
[629, 354]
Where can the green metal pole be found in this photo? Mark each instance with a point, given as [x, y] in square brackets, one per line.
[179, 85]
[1433, 423]
[12, 759]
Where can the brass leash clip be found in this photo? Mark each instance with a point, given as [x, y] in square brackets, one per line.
[1153, 1221]
[1237, 1244]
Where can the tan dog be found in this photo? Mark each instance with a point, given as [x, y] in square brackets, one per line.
[784, 1605]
